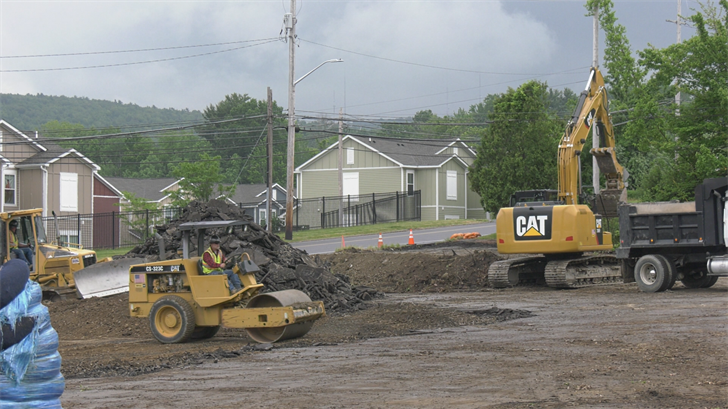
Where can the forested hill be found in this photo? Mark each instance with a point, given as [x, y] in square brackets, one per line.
[31, 112]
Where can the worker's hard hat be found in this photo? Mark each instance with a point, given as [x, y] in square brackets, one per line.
[215, 239]
[13, 223]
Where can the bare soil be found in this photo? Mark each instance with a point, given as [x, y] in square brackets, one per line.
[440, 337]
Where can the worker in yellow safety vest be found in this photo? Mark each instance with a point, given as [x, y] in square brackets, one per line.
[213, 263]
[22, 251]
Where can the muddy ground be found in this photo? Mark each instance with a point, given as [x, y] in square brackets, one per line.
[439, 338]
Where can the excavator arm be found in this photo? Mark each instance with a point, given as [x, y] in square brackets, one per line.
[592, 110]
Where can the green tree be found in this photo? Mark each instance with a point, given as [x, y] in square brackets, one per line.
[137, 206]
[694, 136]
[199, 180]
[518, 149]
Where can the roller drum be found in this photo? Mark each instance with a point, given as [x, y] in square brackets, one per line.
[279, 299]
[718, 266]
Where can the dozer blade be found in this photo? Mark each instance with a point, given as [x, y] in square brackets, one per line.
[106, 278]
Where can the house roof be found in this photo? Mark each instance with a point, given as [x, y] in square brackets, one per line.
[150, 189]
[48, 151]
[404, 152]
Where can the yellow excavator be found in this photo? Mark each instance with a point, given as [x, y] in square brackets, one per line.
[554, 225]
[181, 303]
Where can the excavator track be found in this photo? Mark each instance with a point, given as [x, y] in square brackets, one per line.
[515, 271]
[583, 271]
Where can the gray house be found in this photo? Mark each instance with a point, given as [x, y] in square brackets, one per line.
[252, 198]
[437, 168]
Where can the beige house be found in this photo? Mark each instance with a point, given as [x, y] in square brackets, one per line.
[438, 168]
[37, 173]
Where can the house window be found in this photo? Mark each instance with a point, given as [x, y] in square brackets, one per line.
[455, 150]
[69, 192]
[69, 237]
[349, 156]
[410, 183]
[452, 185]
[275, 195]
[351, 185]
[10, 183]
[261, 216]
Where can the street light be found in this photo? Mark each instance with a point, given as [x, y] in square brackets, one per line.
[292, 142]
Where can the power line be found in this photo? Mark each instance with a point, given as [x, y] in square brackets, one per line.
[138, 62]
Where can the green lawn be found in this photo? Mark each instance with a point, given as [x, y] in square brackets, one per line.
[318, 234]
[103, 253]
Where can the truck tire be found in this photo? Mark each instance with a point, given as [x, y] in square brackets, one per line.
[204, 332]
[652, 273]
[699, 279]
[672, 271]
[172, 320]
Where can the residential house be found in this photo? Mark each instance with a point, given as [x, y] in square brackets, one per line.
[436, 168]
[38, 173]
[252, 198]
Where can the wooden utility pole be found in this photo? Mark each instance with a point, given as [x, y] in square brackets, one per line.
[341, 168]
[270, 160]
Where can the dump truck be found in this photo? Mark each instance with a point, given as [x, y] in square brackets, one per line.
[661, 243]
[552, 226]
[63, 270]
[181, 303]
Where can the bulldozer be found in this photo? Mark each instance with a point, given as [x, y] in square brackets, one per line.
[54, 264]
[182, 304]
[63, 270]
[554, 226]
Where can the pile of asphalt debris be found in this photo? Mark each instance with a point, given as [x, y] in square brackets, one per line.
[282, 267]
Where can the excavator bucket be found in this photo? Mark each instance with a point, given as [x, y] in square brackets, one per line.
[105, 278]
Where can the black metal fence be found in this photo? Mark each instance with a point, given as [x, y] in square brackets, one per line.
[108, 230]
[345, 211]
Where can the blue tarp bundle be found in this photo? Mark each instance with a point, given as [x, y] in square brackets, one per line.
[30, 371]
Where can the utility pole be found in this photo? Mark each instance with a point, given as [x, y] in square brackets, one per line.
[270, 160]
[341, 169]
[290, 24]
[679, 22]
[595, 137]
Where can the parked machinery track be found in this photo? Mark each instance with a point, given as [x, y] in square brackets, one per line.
[566, 273]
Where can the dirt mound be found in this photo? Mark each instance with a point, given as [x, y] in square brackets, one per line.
[409, 271]
[282, 267]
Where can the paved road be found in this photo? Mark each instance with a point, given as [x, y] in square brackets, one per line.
[423, 236]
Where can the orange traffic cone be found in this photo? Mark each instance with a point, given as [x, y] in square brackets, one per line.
[343, 243]
[412, 238]
[380, 243]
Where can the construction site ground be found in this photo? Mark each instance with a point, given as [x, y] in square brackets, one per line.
[440, 337]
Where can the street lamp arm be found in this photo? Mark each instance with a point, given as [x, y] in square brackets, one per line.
[317, 67]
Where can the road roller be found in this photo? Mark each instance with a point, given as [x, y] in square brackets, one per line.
[183, 304]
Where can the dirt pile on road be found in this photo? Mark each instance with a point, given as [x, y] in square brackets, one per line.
[282, 266]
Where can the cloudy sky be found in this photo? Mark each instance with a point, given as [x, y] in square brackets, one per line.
[400, 57]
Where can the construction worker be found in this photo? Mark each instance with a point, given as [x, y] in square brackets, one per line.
[213, 263]
[22, 251]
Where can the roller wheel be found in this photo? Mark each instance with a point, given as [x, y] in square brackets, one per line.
[699, 279]
[172, 320]
[204, 332]
[652, 273]
[279, 299]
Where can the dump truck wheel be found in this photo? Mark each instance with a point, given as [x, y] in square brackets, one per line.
[172, 320]
[652, 273]
[698, 279]
[672, 270]
[205, 332]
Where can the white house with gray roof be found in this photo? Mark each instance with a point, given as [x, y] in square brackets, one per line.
[438, 168]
